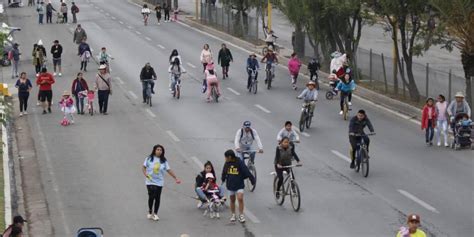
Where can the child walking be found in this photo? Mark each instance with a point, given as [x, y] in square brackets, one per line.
[67, 107]
[442, 120]
[428, 118]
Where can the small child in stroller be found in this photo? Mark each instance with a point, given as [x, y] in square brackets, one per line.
[462, 131]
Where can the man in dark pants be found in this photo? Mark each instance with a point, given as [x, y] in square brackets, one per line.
[356, 127]
[103, 84]
[148, 74]
[45, 81]
[49, 12]
[166, 8]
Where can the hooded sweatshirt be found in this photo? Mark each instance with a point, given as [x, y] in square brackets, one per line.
[234, 173]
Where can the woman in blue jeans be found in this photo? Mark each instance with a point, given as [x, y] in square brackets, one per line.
[79, 85]
[200, 179]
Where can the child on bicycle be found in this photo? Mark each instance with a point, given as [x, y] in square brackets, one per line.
[67, 107]
[175, 71]
[211, 78]
[283, 157]
[310, 95]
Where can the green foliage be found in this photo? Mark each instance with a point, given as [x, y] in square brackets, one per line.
[3, 37]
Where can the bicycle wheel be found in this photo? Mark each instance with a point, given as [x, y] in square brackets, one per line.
[295, 196]
[364, 162]
[149, 100]
[308, 121]
[251, 85]
[255, 83]
[357, 161]
[178, 91]
[214, 94]
[253, 171]
[345, 110]
[329, 95]
[269, 79]
[281, 199]
[302, 120]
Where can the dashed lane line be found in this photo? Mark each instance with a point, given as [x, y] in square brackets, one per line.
[173, 136]
[233, 91]
[262, 108]
[191, 65]
[151, 113]
[338, 154]
[133, 94]
[148, 38]
[160, 46]
[417, 200]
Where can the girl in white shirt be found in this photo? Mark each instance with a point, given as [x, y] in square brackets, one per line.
[442, 121]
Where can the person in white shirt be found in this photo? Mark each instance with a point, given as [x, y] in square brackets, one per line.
[244, 139]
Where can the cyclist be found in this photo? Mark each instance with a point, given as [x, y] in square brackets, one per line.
[270, 58]
[288, 132]
[270, 40]
[284, 155]
[356, 127]
[147, 75]
[310, 96]
[313, 68]
[145, 12]
[244, 139]
[252, 64]
[346, 86]
[175, 71]
[211, 78]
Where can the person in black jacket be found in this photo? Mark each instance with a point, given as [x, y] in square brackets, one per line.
[147, 75]
[166, 8]
[201, 179]
[356, 127]
[49, 12]
[224, 59]
[284, 155]
[56, 51]
[234, 173]
[313, 68]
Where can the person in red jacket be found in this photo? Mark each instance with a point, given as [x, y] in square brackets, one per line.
[45, 81]
[428, 120]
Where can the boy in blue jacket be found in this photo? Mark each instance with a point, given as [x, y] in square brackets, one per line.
[234, 173]
[346, 86]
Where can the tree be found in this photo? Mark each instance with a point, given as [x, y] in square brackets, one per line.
[241, 17]
[458, 16]
[297, 13]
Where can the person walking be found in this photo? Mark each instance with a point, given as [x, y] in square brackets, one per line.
[84, 51]
[79, 90]
[14, 57]
[294, 66]
[103, 84]
[56, 51]
[224, 58]
[428, 120]
[40, 9]
[79, 34]
[205, 57]
[201, 179]
[24, 87]
[166, 9]
[234, 173]
[12, 230]
[158, 13]
[154, 169]
[63, 10]
[74, 11]
[49, 12]
[45, 81]
[412, 230]
[39, 56]
[442, 120]
[313, 67]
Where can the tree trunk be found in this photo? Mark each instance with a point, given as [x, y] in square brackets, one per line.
[299, 40]
[468, 66]
[412, 87]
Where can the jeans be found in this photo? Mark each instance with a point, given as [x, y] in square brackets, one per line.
[144, 86]
[79, 104]
[354, 140]
[442, 127]
[14, 68]
[202, 196]
[74, 19]
[49, 17]
[103, 100]
[249, 72]
[40, 19]
[343, 95]
[429, 133]
[154, 196]
[23, 97]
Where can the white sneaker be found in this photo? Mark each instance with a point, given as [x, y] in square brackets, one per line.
[241, 218]
[349, 103]
[200, 204]
[149, 216]
[21, 114]
[340, 113]
[446, 144]
[155, 217]
[38, 103]
[217, 215]
[25, 113]
[232, 218]
[72, 121]
[37, 74]
[439, 144]
[54, 74]
[60, 74]
[211, 215]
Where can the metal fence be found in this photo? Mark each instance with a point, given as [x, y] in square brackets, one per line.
[238, 24]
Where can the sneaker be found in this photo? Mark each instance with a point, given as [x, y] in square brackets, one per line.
[21, 114]
[211, 215]
[200, 204]
[277, 195]
[54, 74]
[38, 103]
[49, 109]
[431, 143]
[349, 103]
[439, 144]
[241, 218]
[60, 74]
[72, 121]
[149, 216]
[25, 113]
[232, 218]
[340, 113]
[155, 217]
[428, 143]
[44, 112]
[446, 144]
[352, 166]
[218, 215]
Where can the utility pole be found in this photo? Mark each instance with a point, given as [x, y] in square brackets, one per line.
[197, 9]
[269, 12]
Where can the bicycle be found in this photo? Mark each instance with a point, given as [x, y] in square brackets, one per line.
[253, 81]
[288, 187]
[275, 47]
[270, 73]
[362, 156]
[306, 116]
[145, 19]
[214, 93]
[345, 107]
[148, 93]
[251, 166]
[176, 85]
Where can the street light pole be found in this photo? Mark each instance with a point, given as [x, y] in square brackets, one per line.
[269, 12]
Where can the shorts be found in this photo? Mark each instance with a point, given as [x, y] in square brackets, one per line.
[57, 61]
[232, 193]
[45, 96]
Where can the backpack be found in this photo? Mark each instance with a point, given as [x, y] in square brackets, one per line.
[242, 133]
[77, 9]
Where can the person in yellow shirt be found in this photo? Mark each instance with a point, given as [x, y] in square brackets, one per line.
[412, 230]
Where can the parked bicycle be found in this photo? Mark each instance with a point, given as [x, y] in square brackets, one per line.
[362, 156]
[288, 188]
[253, 81]
[251, 166]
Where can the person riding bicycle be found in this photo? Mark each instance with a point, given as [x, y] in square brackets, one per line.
[270, 40]
[252, 64]
[346, 86]
[145, 12]
[147, 75]
[356, 133]
[290, 133]
[244, 139]
[211, 78]
[175, 71]
[270, 58]
[284, 155]
[310, 96]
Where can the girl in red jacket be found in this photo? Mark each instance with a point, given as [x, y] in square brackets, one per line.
[428, 120]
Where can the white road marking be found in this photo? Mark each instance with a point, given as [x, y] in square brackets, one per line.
[251, 216]
[305, 134]
[119, 80]
[121, 22]
[96, 7]
[197, 162]
[174, 137]
[233, 91]
[191, 65]
[161, 46]
[130, 27]
[107, 14]
[138, 32]
[151, 113]
[148, 38]
[113, 18]
[338, 154]
[101, 10]
[133, 94]
[262, 108]
[417, 200]
[6, 176]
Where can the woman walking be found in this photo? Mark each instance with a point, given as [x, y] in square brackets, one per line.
[158, 13]
[79, 90]
[428, 118]
[442, 120]
[224, 58]
[24, 87]
[201, 179]
[103, 83]
[206, 56]
[154, 169]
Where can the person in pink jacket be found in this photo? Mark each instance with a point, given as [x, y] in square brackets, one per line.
[294, 66]
[211, 78]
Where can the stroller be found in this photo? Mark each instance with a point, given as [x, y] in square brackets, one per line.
[60, 18]
[333, 81]
[214, 205]
[462, 132]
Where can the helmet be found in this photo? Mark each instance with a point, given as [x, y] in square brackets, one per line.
[209, 176]
[210, 66]
[247, 124]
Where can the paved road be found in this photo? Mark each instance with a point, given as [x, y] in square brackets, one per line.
[91, 170]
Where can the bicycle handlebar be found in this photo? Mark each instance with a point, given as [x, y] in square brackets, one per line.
[290, 166]
[361, 135]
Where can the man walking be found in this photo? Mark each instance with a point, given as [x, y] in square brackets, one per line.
[103, 84]
[79, 34]
[166, 9]
[45, 81]
[14, 57]
[49, 12]
[74, 11]
[40, 9]
[56, 51]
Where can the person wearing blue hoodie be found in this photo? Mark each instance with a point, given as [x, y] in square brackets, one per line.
[346, 86]
[233, 174]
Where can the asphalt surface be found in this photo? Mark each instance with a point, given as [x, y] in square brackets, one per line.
[91, 174]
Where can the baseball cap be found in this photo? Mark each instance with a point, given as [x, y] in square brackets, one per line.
[247, 124]
[18, 219]
[413, 217]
